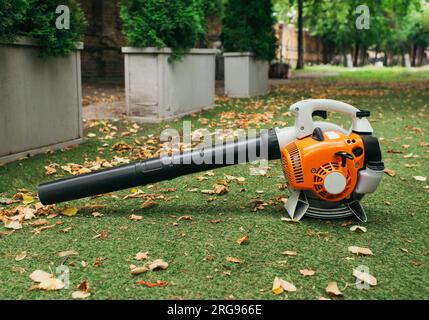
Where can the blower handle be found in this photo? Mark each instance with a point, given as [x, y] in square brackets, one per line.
[265, 146]
[304, 111]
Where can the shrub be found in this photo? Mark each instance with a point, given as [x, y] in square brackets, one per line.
[178, 24]
[248, 27]
[37, 19]
[12, 15]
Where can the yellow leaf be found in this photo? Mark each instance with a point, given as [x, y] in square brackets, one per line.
[70, 212]
[332, 289]
[26, 199]
[243, 240]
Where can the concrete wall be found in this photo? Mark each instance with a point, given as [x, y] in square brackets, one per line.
[40, 101]
[245, 76]
[157, 90]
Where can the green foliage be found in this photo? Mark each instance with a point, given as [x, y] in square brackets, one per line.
[178, 24]
[334, 21]
[248, 27]
[12, 14]
[37, 19]
[212, 7]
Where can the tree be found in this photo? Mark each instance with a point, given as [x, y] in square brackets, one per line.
[300, 63]
[248, 26]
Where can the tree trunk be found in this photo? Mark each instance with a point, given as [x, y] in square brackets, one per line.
[300, 63]
[414, 55]
[356, 54]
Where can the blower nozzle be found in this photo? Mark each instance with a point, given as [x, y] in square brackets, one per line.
[263, 147]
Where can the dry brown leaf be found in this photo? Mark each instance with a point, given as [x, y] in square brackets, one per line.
[67, 253]
[142, 255]
[135, 217]
[184, 218]
[50, 284]
[84, 286]
[332, 289]
[365, 277]
[12, 224]
[139, 270]
[390, 172]
[233, 260]
[158, 264]
[360, 251]
[307, 272]
[21, 256]
[220, 189]
[97, 214]
[148, 204]
[243, 240]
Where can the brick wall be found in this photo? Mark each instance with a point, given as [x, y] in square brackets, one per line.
[102, 57]
[287, 36]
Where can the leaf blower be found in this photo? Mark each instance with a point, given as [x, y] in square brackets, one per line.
[328, 168]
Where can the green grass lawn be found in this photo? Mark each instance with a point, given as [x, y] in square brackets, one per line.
[197, 249]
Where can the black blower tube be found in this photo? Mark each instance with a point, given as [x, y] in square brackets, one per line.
[154, 170]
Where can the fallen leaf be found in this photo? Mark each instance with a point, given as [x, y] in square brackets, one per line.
[420, 178]
[142, 256]
[184, 218]
[220, 189]
[135, 217]
[21, 256]
[40, 275]
[360, 251]
[139, 270]
[158, 264]
[404, 250]
[148, 204]
[280, 285]
[390, 172]
[80, 294]
[158, 283]
[358, 229]
[97, 214]
[365, 277]
[69, 212]
[307, 272]
[26, 199]
[289, 253]
[67, 253]
[243, 240]
[84, 286]
[12, 224]
[332, 289]
[50, 284]
[233, 260]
